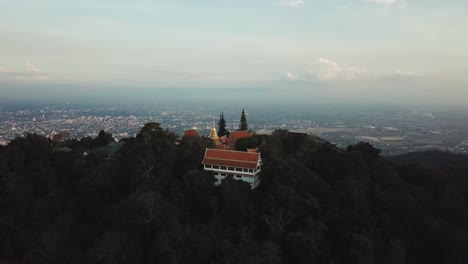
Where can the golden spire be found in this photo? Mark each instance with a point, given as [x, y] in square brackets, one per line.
[213, 134]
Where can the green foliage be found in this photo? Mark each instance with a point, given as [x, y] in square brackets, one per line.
[246, 143]
[60, 137]
[222, 126]
[151, 132]
[154, 204]
[365, 148]
[208, 142]
[103, 138]
[243, 122]
[86, 142]
[190, 153]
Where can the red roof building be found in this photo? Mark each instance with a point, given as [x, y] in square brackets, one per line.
[236, 135]
[224, 140]
[221, 146]
[191, 133]
[245, 166]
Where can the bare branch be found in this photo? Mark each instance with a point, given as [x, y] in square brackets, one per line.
[146, 166]
[280, 220]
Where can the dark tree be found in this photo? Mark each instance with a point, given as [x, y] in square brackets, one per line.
[103, 138]
[150, 132]
[365, 148]
[209, 143]
[222, 126]
[243, 122]
[86, 142]
[190, 154]
[60, 137]
[246, 143]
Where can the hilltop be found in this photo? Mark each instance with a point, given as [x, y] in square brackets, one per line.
[149, 201]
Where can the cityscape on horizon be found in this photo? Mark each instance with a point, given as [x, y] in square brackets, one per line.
[393, 131]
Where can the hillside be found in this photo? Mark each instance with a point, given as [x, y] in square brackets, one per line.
[432, 157]
[150, 202]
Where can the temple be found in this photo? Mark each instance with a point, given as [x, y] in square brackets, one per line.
[234, 136]
[213, 134]
[245, 166]
[224, 142]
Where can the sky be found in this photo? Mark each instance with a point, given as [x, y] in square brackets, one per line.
[409, 51]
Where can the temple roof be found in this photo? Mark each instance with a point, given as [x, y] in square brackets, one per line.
[238, 134]
[224, 140]
[192, 133]
[213, 134]
[231, 158]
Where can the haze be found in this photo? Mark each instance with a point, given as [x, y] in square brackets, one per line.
[377, 51]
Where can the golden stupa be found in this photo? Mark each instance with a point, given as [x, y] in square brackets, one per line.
[213, 134]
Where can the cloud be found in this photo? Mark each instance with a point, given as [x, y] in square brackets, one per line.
[328, 70]
[291, 77]
[30, 72]
[386, 2]
[30, 69]
[325, 69]
[290, 3]
[407, 74]
[399, 3]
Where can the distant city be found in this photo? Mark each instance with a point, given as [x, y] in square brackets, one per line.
[394, 130]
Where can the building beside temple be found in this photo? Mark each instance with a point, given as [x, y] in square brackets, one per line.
[234, 136]
[244, 166]
[191, 133]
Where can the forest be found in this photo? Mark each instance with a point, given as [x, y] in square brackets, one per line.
[146, 199]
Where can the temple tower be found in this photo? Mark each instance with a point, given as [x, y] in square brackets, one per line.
[213, 134]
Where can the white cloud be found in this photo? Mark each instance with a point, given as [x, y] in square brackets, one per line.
[399, 3]
[291, 77]
[386, 2]
[325, 69]
[29, 68]
[290, 3]
[30, 72]
[406, 73]
[328, 70]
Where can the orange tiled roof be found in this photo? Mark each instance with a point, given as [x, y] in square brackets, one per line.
[220, 146]
[238, 134]
[224, 139]
[231, 158]
[192, 133]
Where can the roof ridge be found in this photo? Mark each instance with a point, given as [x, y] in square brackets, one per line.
[233, 160]
[236, 151]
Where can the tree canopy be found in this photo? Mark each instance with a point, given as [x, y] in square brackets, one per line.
[153, 203]
[222, 126]
[151, 132]
[243, 122]
[103, 138]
